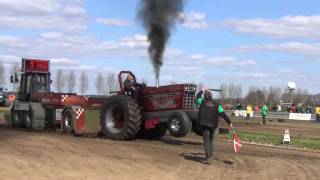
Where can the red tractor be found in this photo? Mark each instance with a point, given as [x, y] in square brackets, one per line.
[118, 117]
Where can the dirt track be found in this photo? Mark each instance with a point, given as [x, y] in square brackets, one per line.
[51, 155]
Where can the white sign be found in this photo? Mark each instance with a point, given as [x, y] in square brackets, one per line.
[59, 114]
[242, 113]
[300, 116]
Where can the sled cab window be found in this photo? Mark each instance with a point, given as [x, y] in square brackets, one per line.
[40, 83]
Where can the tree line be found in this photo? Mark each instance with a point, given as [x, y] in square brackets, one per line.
[67, 82]
[14, 69]
[271, 95]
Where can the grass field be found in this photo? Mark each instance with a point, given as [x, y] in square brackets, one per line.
[4, 114]
[276, 140]
[303, 134]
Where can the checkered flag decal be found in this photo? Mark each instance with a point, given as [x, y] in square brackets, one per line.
[64, 97]
[79, 113]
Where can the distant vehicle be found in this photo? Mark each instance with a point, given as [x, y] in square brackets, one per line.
[4, 98]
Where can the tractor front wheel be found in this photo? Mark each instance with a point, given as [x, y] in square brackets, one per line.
[179, 124]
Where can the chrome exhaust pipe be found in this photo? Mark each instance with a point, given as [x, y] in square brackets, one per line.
[157, 82]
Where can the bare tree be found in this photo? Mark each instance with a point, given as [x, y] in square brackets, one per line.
[224, 90]
[100, 84]
[71, 81]
[83, 82]
[285, 96]
[274, 95]
[200, 86]
[59, 82]
[238, 91]
[14, 69]
[232, 91]
[253, 89]
[255, 97]
[2, 74]
[265, 91]
[300, 96]
[110, 82]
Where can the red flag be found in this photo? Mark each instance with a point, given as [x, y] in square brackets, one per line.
[236, 142]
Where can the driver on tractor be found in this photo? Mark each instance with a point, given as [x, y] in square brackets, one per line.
[132, 88]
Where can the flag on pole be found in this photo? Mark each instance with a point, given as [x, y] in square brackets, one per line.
[236, 142]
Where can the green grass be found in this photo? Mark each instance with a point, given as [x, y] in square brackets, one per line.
[5, 115]
[276, 140]
[3, 111]
[306, 143]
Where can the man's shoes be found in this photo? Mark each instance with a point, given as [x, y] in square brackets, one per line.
[207, 160]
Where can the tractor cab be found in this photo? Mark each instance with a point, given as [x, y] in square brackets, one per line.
[35, 79]
[122, 77]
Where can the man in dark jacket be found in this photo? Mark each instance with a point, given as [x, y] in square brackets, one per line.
[131, 87]
[209, 113]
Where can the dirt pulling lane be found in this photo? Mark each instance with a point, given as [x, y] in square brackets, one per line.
[50, 155]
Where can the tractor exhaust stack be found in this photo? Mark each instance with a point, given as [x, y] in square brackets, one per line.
[157, 82]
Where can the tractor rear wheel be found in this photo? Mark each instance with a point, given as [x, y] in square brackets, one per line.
[120, 118]
[68, 118]
[17, 118]
[179, 124]
[155, 133]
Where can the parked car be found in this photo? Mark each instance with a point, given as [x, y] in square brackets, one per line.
[4, 98]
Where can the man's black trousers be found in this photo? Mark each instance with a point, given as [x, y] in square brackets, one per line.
[207, 134]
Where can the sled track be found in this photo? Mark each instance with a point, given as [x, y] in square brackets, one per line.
[51, 155]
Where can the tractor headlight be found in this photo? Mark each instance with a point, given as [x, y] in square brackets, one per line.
[190, 88]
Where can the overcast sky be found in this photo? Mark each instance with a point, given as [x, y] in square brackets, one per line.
[247, 42]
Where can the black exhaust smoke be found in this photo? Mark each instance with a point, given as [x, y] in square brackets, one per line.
[158, 17]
